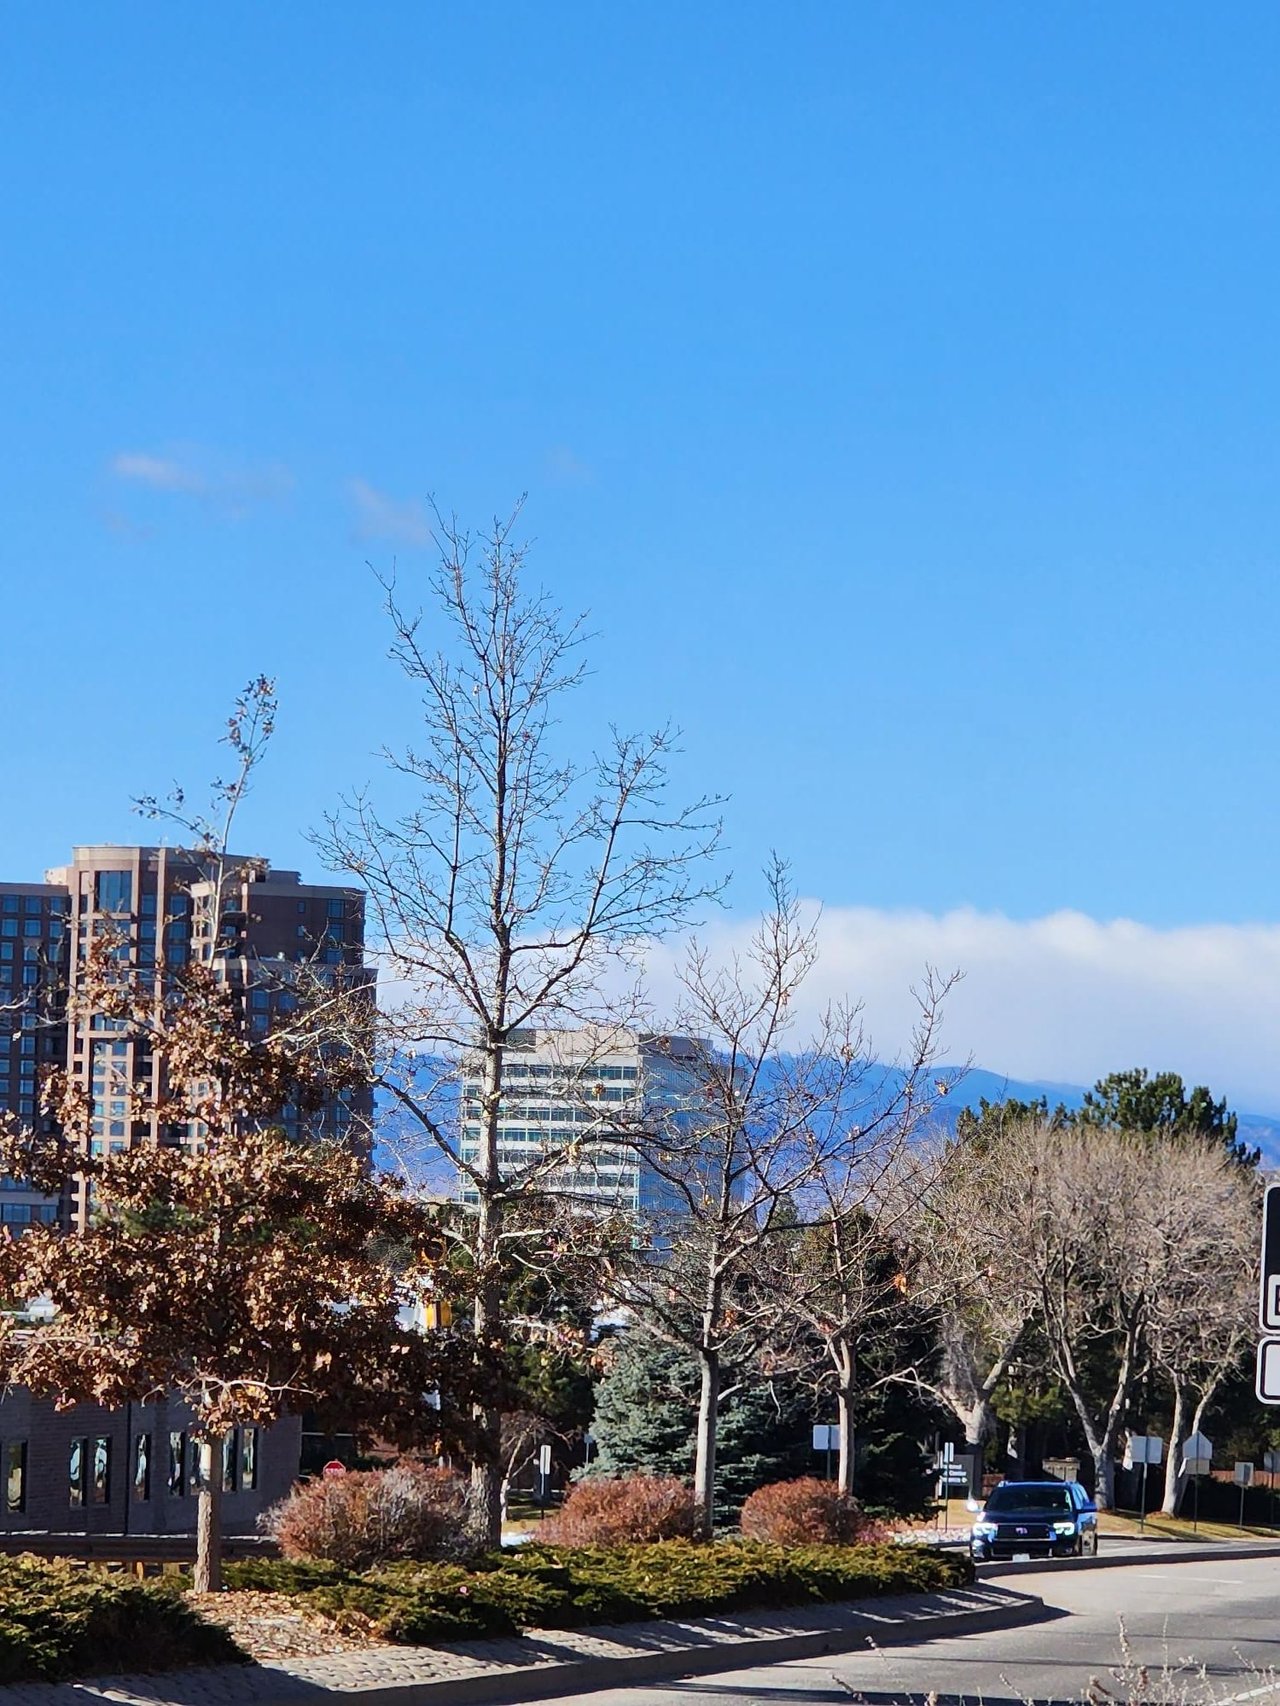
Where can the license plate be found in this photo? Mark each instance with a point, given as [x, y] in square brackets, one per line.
[1022, 1557]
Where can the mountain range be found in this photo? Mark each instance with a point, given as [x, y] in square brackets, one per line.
[1262, 1130]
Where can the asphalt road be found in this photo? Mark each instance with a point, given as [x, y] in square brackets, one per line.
[1223, 1616]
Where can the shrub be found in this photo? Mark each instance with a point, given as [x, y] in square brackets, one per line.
[807, 1512]
[562, 1588]
[632, 1509]
[371, 1516]
[58, 1622]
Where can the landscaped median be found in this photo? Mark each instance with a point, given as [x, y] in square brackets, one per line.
[58, 1621]
[567, 1588]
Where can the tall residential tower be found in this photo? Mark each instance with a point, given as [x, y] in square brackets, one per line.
[164, 909]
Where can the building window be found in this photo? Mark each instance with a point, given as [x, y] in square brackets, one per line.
[142, 1469]
[100, 1485]
[195, 1464]
[248, 1459]
[15, 1476]
[77, 1471]
[177, 1464]
[114, 891]
[336, 908]
[229, 1461]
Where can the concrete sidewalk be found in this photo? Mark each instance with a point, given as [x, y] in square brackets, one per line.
[546, 1663]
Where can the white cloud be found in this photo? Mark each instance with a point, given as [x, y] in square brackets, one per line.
[1065, 997]
[379, 516]
[162, 473]
[231, 489]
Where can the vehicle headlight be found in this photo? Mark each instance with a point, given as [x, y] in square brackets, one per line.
[1064, 1528]
[984, 1528]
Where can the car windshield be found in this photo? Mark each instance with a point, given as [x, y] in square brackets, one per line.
[1029, 1499]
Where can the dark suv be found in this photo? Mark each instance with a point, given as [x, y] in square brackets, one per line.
[1052, 1518]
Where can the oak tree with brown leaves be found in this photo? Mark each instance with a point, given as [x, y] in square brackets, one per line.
[251, 1275]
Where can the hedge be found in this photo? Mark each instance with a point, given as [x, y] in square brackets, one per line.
[562, 1588]
[58, 1621]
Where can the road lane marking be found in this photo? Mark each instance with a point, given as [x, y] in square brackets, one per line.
[1182, 1576]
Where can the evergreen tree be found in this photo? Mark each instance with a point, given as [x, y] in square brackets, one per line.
[1138, 1101]
[646, 1416]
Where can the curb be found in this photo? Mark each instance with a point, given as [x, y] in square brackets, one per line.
[1186, 1553]
[517, 1685]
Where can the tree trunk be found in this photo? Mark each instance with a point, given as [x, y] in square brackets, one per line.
[1016, 1449]
[845, 1395]
[1104, 1475]
[486, 1466]
[704, 1468]
[207, 1575]
[487, 1316]
[1174, 1480]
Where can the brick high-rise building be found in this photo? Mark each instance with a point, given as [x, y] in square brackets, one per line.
[164, 909]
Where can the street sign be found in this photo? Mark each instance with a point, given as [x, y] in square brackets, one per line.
[1267, 1384]
[544, 1459]
[1271, 1462]
[1196, 1465]
[333, 1467]
[1244, 1475]
[826, 1436]
[1269, 1291]
[1196, 1445]
[1144, 1448]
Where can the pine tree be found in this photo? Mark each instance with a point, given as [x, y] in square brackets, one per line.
[646, 1419]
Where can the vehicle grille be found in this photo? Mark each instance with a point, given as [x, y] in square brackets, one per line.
[1012, 1532]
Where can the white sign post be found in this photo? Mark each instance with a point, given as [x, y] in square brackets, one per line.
[1243, 1479]
[1143, 1449]
[1197, 1460]
[544, 1479]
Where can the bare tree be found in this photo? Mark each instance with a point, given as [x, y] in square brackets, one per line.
[512, 887]
[1207, 1317]
[752, 1121]
[1117, 1215]
[977, 1198]
[843, 1293]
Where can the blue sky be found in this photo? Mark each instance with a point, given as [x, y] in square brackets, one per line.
[896, 386]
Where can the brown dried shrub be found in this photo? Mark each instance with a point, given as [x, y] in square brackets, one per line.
[626, 1511]
[369, 1517]
[808, 1512]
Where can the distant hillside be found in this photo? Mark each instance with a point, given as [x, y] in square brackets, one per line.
[399, 1140]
